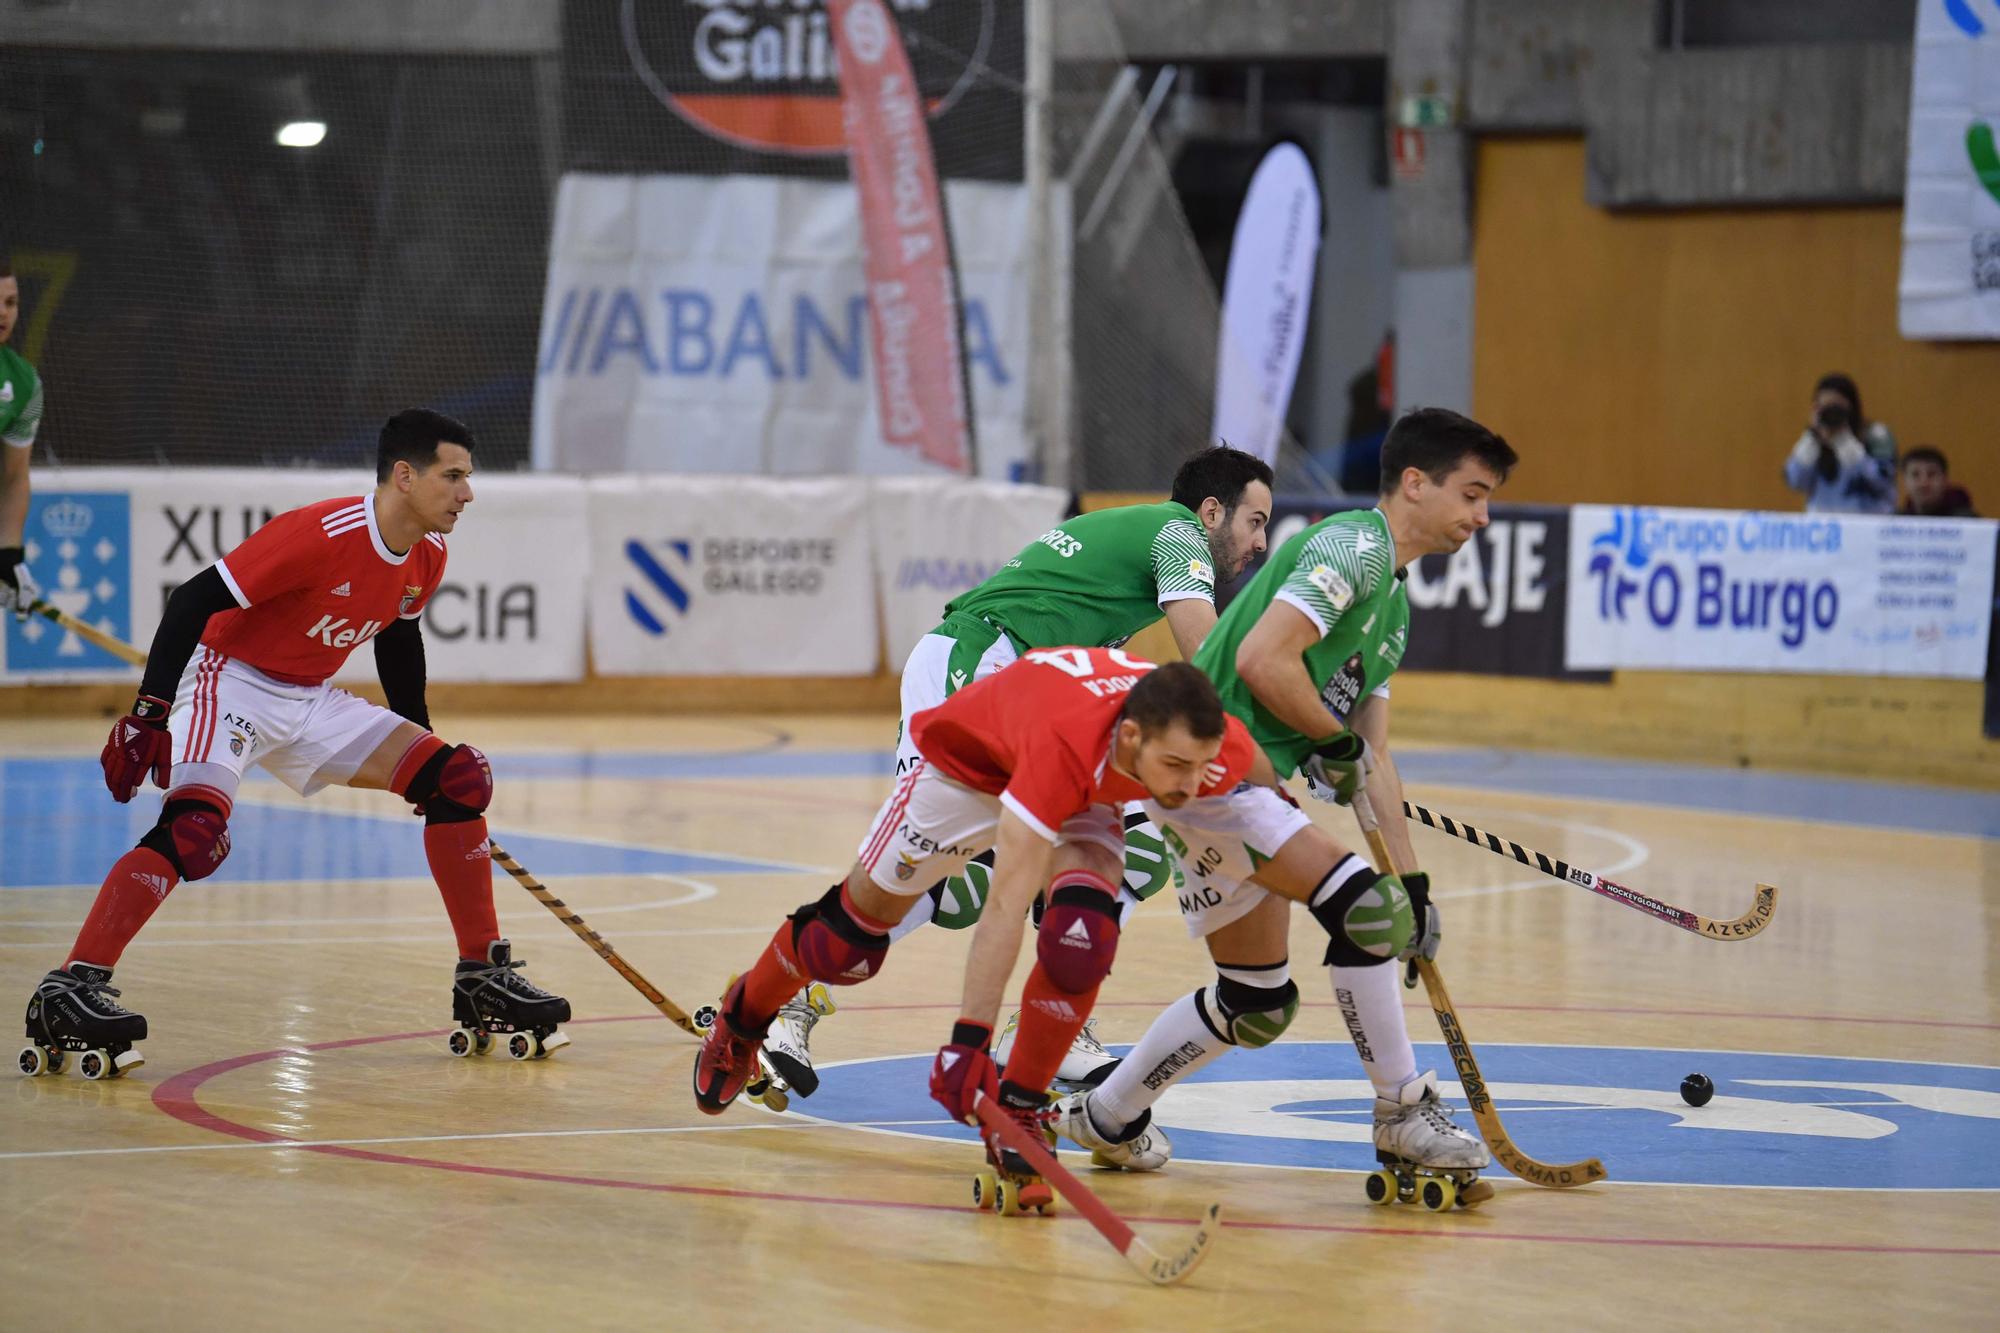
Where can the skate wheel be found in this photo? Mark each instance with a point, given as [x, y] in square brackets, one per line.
[459, 1043]
[95, 1065]
[1439, 1194]
[34, 1061]
[1007, 1202]
[985, 1189]
[1381, 1187]
[523, 1046]
[703, 1018]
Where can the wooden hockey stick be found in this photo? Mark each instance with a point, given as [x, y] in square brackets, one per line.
[1160, 1269]
[1743, 927]
[596, 941]
[1549, 1175]
[88, 633]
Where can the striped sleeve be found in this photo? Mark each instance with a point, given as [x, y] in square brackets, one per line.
[22, 433]
[1181, 568]
[1339, 567]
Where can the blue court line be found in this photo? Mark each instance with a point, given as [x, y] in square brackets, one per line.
[59, 826]
[1735, 791]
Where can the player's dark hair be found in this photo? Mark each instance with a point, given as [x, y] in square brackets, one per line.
[1845, 386]
[1174, 692]
[1924, 453]
[1435, 441]
[1219, 471]
[6, 265]
[412, 436]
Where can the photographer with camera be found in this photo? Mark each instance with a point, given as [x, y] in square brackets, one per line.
[1844, 463]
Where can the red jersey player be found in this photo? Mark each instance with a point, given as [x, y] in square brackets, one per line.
[1034, 761]
[244, 651]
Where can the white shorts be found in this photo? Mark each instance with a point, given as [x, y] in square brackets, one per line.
[927, 681]
[931, 826]
[228, 716]
[1213, 841]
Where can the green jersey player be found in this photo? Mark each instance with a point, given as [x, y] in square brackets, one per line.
[1303, 657]
[1091, 581]
[20, 415]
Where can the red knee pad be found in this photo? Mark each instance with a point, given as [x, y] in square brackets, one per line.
[1079, 934]
[193, 835]
[832, 946]
[466, 778]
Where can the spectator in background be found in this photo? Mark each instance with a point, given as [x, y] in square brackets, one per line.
[1844, 463]
[1928, 488]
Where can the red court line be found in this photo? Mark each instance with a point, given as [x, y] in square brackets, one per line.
[178, 1097]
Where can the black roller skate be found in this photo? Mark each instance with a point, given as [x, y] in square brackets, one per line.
[1007, 1183]
[73, 1010]
[492, 999]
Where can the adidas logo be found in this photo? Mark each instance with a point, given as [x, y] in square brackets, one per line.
[1077, 936]
[1059, 1010]
[859, 971]
[345, 589]
[159, 884]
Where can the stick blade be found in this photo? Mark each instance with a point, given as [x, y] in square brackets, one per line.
[1164, 1270]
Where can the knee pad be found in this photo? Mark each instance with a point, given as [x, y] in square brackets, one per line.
[1367, 916]
[1249, 1016]
[454, 786]
[1079, 933]
[832, 946]
[193, 835]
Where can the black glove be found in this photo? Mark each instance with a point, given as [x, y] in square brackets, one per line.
[1429, 930]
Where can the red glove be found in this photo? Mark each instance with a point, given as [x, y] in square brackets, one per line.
[963, 1070]
[139, 743]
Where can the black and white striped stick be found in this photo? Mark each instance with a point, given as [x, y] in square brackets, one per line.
[1743, 927]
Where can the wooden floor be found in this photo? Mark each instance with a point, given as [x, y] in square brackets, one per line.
[300, 1151]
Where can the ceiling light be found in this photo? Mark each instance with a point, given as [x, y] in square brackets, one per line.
[302, 133]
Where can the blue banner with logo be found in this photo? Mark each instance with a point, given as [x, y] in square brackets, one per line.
[1729, 590]
[79, 548]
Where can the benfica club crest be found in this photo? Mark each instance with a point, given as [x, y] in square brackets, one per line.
[409, 595]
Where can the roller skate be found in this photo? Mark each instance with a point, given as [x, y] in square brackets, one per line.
[1085, 1065]
[786, 1053]
[1137, 1147]
[730, 1060]
[1007, 1184]
[1425, 1157]
[72, 1010]
[768, 1086]
[492, 999]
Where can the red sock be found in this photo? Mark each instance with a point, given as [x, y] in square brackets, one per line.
[134, 889]
[463, 868]
[1050, 1020]
[778, 974]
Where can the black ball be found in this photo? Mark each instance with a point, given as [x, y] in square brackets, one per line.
[1696, 1089]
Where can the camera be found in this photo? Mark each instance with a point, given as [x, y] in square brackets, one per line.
[1833, 418]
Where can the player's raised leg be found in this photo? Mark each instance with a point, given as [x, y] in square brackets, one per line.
[926, 830]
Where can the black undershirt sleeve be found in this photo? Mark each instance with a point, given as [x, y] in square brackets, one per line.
[181, 623]
[399, 661]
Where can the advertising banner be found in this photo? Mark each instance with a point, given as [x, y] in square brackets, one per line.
[729, 87]
[718, 325]
[1950, 285]
[935, 539]
[721, 576]
[912, 285]
[1724, 590]
[1266, 298]
[112, 544]
[1495, 608]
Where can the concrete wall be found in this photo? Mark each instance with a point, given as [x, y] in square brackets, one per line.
[469, 27]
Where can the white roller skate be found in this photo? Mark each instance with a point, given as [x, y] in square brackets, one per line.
[1140, 1148]
[1085, 1065]
[786, 1047]
[1425, 1157]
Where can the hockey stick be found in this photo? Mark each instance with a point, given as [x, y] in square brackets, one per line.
[1160, 1269]
[1552, 1176]
[1743, 927]
[596, 941]
[88, 633]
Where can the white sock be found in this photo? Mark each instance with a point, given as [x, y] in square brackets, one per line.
[1177, 1044]
[1371, 1005]
[922, 910]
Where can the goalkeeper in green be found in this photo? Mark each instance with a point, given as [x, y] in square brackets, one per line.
[20, 416]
